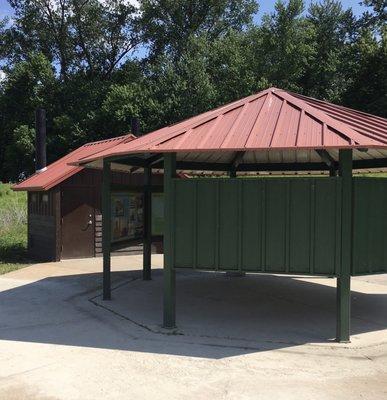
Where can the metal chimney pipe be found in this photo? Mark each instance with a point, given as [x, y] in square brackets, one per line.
[135, 126]
[40, 140]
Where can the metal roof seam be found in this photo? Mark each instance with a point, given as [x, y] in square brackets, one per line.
[239, 120]
[209, 115]
[205, 137]
[343, 109]
[321, 115]
[349, 116]
[232, 129]
[278, 122]
[262, 113]
[183, 139]
[300, 125]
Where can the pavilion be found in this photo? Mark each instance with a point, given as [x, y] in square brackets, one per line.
[333, 225]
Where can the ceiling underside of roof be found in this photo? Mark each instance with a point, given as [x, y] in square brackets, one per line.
[255, 161]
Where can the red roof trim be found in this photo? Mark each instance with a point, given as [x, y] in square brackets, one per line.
[65, 167]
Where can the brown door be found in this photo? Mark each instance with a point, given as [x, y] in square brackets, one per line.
[77, 222]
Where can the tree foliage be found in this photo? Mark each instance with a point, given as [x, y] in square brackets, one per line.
[95, 64]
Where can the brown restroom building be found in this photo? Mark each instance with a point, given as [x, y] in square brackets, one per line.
[64, 206]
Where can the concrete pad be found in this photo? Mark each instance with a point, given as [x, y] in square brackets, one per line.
[256, 310]
[253, 337]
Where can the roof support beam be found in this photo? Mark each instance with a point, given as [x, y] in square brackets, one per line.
[245, 167]
[235, 163]
[372, 163]
[283, 167]
[327, 158]
[154, 159]
[132, 161]
[237, 159]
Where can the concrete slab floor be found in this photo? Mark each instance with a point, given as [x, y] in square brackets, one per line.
[253, 337]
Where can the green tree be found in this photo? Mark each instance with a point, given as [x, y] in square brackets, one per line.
[376, 16]
[368, 90]
[329, 71]
[29, 85]
[168, 25]
[90, 36]
[285, 48]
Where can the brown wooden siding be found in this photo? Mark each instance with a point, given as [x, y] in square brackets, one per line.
[41, 203]
[42, 237]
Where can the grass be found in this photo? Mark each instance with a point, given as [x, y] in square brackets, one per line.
[13, 229]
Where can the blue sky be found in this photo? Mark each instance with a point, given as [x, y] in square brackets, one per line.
[265, 6]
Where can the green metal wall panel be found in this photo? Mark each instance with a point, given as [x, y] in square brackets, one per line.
[301, 230]
[369, 226]
[276, 224]
[325, 236]
[281, 225]
[228, 224]
[207, 233]
[253, 224]
[184, 223]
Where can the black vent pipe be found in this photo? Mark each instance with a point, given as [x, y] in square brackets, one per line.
[40, 140]
[135, 126]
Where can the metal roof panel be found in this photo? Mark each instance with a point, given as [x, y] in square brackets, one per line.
[61, 170]
[272, 119]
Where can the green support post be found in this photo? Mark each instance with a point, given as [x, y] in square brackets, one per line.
[106, 228]
[169, 271]
[147, 247]
[344, 277]
[232, 173]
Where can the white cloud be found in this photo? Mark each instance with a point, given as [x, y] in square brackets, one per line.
[2, 75]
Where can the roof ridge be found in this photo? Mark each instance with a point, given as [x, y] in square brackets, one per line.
[348, 109]
[351, 134]
[109, 140]
[209, 115]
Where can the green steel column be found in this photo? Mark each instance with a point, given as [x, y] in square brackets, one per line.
[232, 173]
[106, 228]
[169, 271]
[147, 248]
[344, 278]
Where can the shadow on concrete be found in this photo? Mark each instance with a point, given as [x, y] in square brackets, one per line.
[217, 316]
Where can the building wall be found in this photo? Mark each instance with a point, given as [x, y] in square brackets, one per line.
[44, 225]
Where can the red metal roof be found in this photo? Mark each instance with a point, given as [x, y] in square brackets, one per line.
[270, 121]
[60, 170]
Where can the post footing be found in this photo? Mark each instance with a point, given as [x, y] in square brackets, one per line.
[169, 327]
[343, 341]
